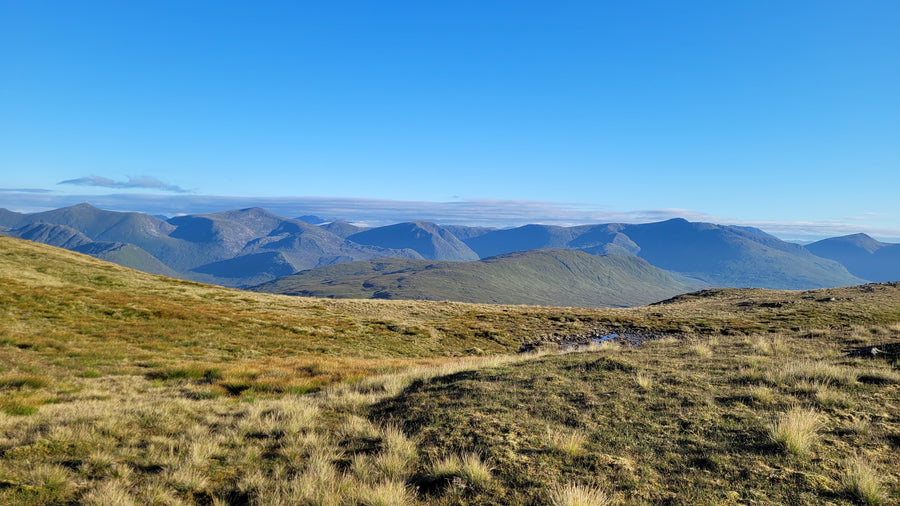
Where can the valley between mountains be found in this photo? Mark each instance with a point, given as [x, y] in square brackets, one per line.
[589, 265]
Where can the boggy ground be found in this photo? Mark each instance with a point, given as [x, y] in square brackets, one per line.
[118, 387]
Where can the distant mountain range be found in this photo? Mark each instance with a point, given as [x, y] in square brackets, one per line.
[248, 247]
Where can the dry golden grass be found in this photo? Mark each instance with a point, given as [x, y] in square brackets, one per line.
[797, 430]
[644, 381]
[121, 388]
[863, 482]
[569, 442]
[579, 495]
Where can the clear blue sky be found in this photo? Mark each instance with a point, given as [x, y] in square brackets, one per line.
[782, 113]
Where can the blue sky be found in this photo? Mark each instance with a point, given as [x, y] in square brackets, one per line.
[784, 115]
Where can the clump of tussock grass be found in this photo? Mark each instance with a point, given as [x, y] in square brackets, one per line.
[861, 426]
[572, 494]
[52, 483]
[811, 371]
[768, 345]
[109, 493]
[831, 398]
[388, 384]
[797, 430]
[644, 381]
[397, 455]
[469, 467]
[187, 478]
[863, 482]
[387, 493]
[23, 381]
[762, 394]
[702, 350]
[568, 442]
[357, 427]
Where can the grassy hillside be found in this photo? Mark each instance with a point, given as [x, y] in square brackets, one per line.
[126, 255]
[118, 387]
[542, 277]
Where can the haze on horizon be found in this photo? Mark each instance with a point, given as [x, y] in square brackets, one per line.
[782, 116]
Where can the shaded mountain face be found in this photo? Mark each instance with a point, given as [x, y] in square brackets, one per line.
[431, 241]
[862, 255]
[541, 277]
[60, 236]
[244, 270]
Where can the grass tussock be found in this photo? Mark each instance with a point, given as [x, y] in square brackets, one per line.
[768, 345]
[702, 350]
[762, 394]
[572, 494]
[832, 398]
[797, 430]
[863, 482]
[569, 442]
[820, 371]
[644, 381]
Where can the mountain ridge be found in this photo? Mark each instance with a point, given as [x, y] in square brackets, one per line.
[862, 255]
[249, 246]
[538, 277]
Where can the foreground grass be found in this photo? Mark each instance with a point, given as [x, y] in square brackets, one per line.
[551, 428]
[117, 387]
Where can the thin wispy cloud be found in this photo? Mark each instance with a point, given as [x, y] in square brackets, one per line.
[24, 190]
[144, 182]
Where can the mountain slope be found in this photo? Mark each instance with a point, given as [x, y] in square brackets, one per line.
[427, 239]
[10, 219]
[528, 237]
[342, 228]
[863, 256]
[101, 225]
[539, 277]
[60, 236]
[734, 257]
[126, 255]
[66, 237]
[715, 254]
[248, 270]
[198, 247]
[195, 246]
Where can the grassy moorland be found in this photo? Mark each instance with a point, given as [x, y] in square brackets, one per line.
[118, 387]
